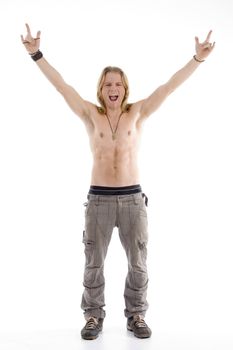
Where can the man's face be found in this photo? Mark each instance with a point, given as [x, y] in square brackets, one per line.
[113, 90]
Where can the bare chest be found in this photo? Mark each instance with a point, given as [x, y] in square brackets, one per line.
[123, 128]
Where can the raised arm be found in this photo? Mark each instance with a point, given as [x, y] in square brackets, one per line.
[74, 100]
[149, 105]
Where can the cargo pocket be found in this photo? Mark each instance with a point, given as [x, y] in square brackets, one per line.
[86, 206]
[88, 249]
[143, 249]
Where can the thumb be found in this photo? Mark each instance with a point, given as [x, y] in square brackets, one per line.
[38, 34]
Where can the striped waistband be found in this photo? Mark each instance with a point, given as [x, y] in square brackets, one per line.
[115, 191]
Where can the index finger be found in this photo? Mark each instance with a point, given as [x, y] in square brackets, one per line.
[208, 36]
[28, 29]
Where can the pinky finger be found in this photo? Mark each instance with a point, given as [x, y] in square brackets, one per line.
[23, 41]
[38, 35]
[213, 45]
[197, 40]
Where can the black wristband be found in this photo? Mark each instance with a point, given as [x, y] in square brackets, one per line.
[36, 55]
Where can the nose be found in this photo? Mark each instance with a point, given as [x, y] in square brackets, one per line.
[115, 87]
[113, 90]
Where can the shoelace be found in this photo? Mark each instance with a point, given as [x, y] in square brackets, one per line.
[91, 323]
[139, 322]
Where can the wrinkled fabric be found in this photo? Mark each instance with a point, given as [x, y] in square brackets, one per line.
[129, 214]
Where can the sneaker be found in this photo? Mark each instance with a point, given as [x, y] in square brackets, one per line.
[138, 326]
[92, 328]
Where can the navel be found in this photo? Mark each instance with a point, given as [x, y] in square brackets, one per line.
[101, 135]
[129, 132]
[115, 159]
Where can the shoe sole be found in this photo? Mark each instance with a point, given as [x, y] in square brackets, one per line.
[93, 337]
[90, 338]
[140, 337]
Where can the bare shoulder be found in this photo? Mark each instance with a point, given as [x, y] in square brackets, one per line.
[93, 119]
[90, 115]
[94, 110]
[135, 109]
[91, 107]
[135, 113]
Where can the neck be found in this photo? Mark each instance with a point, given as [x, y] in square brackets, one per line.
[113, 113]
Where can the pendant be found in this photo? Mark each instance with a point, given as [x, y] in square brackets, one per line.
[113, 136]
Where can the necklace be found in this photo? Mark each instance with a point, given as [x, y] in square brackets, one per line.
[114, 131]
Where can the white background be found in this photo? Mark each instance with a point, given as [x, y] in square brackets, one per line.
[185, 160]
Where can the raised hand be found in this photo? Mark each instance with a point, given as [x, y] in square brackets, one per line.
[31, 44]
[204, 49]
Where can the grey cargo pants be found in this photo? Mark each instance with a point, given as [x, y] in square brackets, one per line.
[102, 214]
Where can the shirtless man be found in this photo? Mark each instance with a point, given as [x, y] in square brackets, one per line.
[115, 198]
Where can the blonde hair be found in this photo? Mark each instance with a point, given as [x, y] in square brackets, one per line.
[125, 106]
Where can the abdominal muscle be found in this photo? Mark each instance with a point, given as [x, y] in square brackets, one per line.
[115, 162]
[115, 165]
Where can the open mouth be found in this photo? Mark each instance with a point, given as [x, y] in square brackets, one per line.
[113, 98]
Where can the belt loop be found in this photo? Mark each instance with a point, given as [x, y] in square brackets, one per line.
[145, 198]
[97, 200]
[136, 198]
